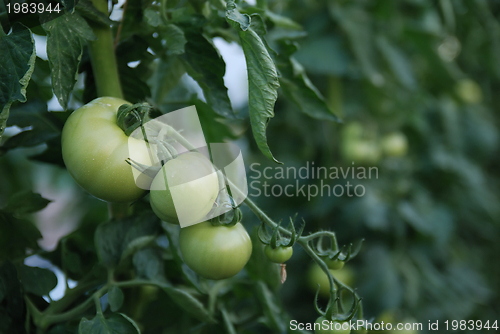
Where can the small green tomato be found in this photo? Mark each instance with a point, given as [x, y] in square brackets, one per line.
[279, 254]
[334, 264]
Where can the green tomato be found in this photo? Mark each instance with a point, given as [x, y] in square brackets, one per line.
[279, 254]
[316, 276]
[94, 149]
[330, 327]
[195, 185]
[469, 91]
[333, 264]
[215, 252]
[360, 151]
[394, 144]
[352, 131]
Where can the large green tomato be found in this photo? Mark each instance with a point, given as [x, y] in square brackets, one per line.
[185, 188]
[328, 327]
[215, 252]
[94, 149]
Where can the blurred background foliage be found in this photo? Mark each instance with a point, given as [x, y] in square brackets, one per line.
[415, 84]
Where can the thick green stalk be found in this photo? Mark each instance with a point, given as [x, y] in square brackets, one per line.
[103, 57]
[107, 81]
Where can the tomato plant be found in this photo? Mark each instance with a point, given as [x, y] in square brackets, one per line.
[94, 149]
[215, 252]
[196, 188]
[311, 98]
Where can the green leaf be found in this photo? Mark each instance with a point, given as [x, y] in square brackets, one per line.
[86, 9]
[207, 68]
[66, 36]
[38, 281]
[63, 329]
[299, 89]
[152, 17]
[149, 265]
[41, 125]
[116, 324]
[76, 253]
[137, 244]
[272, 311]
[166, 76]
[235, 18]
[172, 233]
[40, 87]
[25, 202]
[324, 55]
[189, 304]
[113, 238]
[174, 36]
[263, 81]
[115, 298]
[357, 25]
[16, 66]
[12, 306]
[16, 236]
[398, 62]
[214, 127]
[282, 21]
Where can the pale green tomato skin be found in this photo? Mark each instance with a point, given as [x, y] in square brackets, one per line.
[215, 252]
[344, 330]
[94, 149]
[278, 255]
[394, 144]
[195, 197]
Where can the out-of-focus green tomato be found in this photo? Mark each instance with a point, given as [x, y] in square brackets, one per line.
[394, 144]
[352, 131]
[469, 91]
[361, 151]
[316, 276]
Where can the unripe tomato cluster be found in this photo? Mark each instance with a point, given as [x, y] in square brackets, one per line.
[362, 146]
[95, 150]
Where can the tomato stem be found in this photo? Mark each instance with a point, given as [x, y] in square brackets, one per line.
[103, 57]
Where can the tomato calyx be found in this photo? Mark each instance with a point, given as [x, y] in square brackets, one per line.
[276, 240]
[130, 117]
[229, 218]
[332, 256]
[334, 310]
